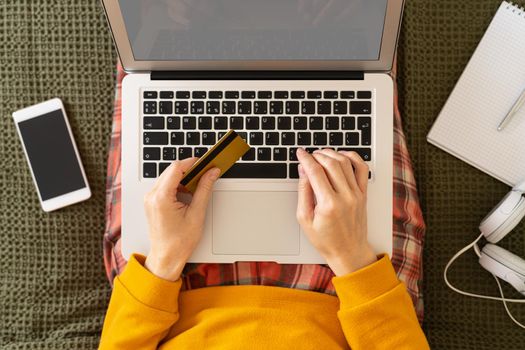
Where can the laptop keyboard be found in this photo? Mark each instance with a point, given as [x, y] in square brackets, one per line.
[182, 124]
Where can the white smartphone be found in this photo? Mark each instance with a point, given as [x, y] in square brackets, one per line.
[52, 155]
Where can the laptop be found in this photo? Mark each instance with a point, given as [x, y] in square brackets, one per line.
[284, 74]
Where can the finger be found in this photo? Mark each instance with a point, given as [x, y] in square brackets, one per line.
[333, 171]
[202, 195]
[305, 200]
[346, 165]
[361, 170]
[169, 180]
[315, 173]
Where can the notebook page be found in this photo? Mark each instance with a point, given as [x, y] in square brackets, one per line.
[489, 86]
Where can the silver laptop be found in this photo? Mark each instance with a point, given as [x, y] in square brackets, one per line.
[284, 74]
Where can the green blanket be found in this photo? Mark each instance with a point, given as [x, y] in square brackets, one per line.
[53, 290]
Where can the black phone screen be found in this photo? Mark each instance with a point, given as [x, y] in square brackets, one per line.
[51, 154]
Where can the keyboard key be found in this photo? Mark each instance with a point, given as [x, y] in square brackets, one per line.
[208, 138]
[292, 153]
[182, 94]
[324, 107]
[264, 94]
[199, 151]
[280, 153]
[294, 171]
[149, 170]
[150, 94]
[276, 107]
[308, 107]
[300, 123]
[153, 123]
[150, 107]
[155, 138]
[320, 139]
[215, 94]
[167, 94]
[280, 94]
[360, 107]
[197, 107]
[232, 94]
[268, 123]
[365, 125]
[189, 123]
[250, 155]
[314, 94]
[330, 94]
[181, 107]
[311, 149]
[352, 139]
[332, 123]
[213, 107]
[272, 138]
[340, 107]
[365, 153]
[198, 94]
[244, 107]
[220, 134]
[220, 123]
[284, 123]
[336, 139]
[248, 94]
[173, 123]
[304, 138]
[243, 135]
[169, 153]
[256, 138]
[184, 152]
[193, 138]
[297, 94]
[205, 123]
[288, 138]
[292, 107]
[257, 171]
[348, 123]
[252, 123]
[236, 123]
[348, 94]
[163, 166]
[177, 138]
[364, 94]
[151, 153]
[228, 107]
[264, 153]
[260, 107]
[316, 123]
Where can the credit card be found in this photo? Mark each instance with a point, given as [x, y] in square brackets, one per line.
[222, 155]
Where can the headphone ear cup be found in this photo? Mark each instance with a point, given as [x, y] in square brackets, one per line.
[504, 264]
[504, 217]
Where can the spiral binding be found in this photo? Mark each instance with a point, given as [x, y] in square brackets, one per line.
[516, 7]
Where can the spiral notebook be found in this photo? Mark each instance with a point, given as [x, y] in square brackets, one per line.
[489, 86]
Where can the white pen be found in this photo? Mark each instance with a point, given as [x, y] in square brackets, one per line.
[515, 108]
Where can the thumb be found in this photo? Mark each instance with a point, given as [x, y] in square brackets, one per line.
[305, 200]
[202, 195]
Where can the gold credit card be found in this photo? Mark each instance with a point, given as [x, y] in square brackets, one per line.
[222, 155]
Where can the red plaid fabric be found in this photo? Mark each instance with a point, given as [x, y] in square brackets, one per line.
[409, 230]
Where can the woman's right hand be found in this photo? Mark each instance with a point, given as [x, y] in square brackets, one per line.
[332, 207]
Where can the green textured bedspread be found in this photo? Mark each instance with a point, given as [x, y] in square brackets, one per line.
[53, 290]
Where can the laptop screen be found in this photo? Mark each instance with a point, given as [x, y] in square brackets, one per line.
[215, 30]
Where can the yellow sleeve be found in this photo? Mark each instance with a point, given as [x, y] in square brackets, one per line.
[376, 311]
[142, 309]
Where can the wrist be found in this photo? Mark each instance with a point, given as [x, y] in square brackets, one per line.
[351, 261]
[167, 268]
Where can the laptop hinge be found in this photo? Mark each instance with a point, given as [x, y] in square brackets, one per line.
[257, 75]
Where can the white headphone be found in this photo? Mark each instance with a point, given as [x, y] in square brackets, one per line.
[498, 261]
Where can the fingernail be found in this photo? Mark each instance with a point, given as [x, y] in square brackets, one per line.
[215, 173]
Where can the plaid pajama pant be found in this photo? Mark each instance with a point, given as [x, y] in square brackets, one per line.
[408, 232]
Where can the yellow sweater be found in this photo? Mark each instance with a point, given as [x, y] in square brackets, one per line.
[373, 311]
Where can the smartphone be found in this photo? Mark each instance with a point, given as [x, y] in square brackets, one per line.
[52, 155]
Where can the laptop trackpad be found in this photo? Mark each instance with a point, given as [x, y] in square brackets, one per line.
[257, 223]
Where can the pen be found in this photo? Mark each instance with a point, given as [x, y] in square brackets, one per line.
[515, 108]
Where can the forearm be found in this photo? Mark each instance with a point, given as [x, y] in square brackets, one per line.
[376, 311]
[142, 309]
